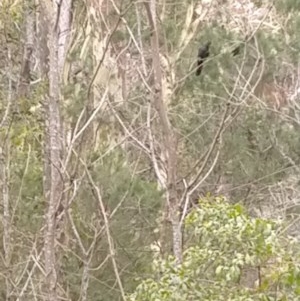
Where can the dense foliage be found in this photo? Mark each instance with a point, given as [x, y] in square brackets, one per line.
[229, 256]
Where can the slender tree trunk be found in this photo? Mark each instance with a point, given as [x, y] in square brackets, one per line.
[64, 26]
[6, 221]
[53, 147]
[58, 27]
[5, 162]
[169, 144]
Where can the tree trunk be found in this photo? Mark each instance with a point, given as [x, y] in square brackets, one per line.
[169, 145]
[58, 25]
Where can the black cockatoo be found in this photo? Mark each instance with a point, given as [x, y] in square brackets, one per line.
[203, 53]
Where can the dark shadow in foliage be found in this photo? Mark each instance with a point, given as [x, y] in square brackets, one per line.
[203, 53]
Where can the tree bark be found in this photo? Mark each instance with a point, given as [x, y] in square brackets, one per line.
[169, 144]
[58, 25]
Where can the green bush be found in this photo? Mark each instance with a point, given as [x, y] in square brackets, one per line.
[225, 247]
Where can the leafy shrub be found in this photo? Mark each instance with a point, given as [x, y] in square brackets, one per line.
[226, 249]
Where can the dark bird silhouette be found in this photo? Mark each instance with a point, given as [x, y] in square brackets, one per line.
[236, 50]
[203, 53]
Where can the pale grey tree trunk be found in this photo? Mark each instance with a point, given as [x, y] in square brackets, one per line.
[64, 25]
[5, 177]
[168, 143]
[58, 17]
[6, 221]
[53, 147]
